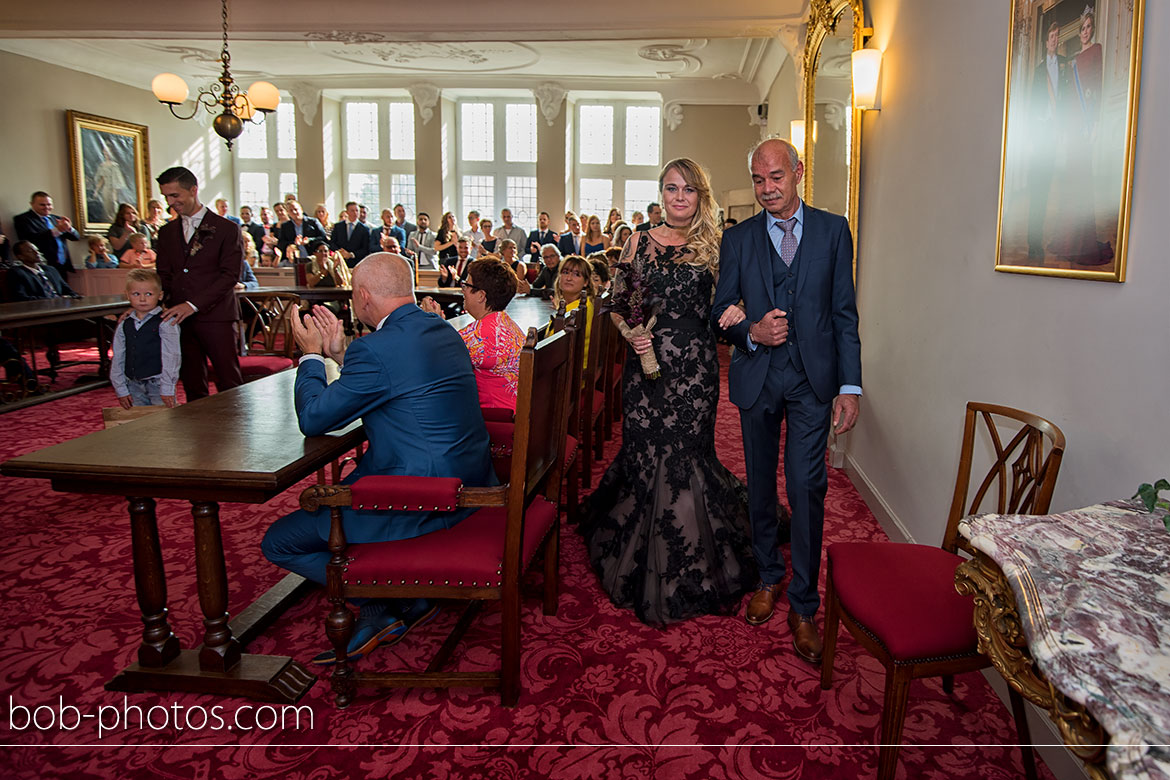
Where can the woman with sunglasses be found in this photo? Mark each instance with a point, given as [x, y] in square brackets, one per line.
[494, 341]
[667, 527]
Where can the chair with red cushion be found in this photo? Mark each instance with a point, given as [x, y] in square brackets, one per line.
[481, 558]
[899, 600]
[267, 344]
[570, 323]
[592, 401]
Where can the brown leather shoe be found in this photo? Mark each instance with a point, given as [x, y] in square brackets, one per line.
[763, 604]
[805, 637]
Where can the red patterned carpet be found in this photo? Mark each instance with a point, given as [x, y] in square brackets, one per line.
[603, 696]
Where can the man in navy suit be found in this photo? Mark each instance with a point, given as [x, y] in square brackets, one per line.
[653, 217]
[351, 236]
[797, 357]
[47, 231]
[221, 208]
[31, 280]
[571, 240]
[539, 237]
[254, 229]
[411, 383]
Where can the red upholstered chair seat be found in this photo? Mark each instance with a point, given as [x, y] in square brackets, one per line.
[263, 365]
[598, 404]
[471, 554]
[905, 595]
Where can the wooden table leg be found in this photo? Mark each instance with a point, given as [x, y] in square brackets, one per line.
[220, 650]
[159, 645]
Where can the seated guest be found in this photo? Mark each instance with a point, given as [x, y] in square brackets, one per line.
[490, 243]
[47, 231]
[574, 286]
[144, 364]
[390, 243]
[600, 272]
[33, 279]
[411, 383]
[125, 224]
[326, 268]
[519, 267]
[99, 254]
[494, 341]
[612, 221]
[621, 232]
[137, 253]
[637, 218]
[248, 279]
[454, 271]
[550, 256]
[251, 256]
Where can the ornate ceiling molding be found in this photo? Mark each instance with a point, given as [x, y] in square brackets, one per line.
[550, 97]
[350, 37]
[675, 52]
[307, 98]
[793, 38]
[673, 114]
[425, 96]
[427, 56]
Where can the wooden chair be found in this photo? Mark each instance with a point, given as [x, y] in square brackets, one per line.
[592, 401]
[266, 341]
[571, 323]
[899, 600]
[481, 558]
[613, 358]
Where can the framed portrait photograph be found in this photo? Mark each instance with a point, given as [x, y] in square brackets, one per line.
[111, 165]
[1070, 116]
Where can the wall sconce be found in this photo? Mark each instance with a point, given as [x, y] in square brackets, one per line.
[796, 134]
[867, 65]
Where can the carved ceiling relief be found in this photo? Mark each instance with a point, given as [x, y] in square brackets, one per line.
[306, 98]
[550, 97]
[480, 57]
[682, 53]
[426, 97]
[673, 114]
[793, 38]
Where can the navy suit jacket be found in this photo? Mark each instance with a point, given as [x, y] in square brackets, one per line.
[376, 237]
[566, 243]
[25, 285]
[310, 229]
[412, 384]
[30, 226]
[205, 271]
[540, 238]
[825, 313]
[358, 244]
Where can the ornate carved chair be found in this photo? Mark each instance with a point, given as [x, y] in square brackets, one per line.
[571, 323]
[266, 341]
[899, 600]
[483, 557]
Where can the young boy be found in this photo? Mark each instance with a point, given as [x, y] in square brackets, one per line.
[99, 254]
[138, 254]
[145, 364]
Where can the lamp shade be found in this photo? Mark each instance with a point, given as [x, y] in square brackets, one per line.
[867, 65]
[169, 88]
[796, 135]
[264, 96]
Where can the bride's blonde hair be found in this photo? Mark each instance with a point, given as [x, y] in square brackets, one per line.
[704, 232]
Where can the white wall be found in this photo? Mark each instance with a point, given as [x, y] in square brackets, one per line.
[36, 95]
[940, 327]
[718, 137]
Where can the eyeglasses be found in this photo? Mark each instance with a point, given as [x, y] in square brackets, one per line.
[468, 285]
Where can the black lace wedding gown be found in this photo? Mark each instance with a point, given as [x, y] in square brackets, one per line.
[667, 528]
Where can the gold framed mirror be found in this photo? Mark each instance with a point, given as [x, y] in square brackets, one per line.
[832, 137]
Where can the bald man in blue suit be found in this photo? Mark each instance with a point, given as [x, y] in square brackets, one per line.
[411, 383]
[797, 357]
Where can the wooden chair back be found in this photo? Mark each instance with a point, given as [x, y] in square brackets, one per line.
[1023, 470]
[265, 329]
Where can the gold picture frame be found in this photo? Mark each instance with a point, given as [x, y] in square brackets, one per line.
[1070, 117]
[110, 160]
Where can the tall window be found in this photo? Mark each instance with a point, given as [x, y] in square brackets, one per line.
[378, 154]
[497, 159]
[619, 149]
[265, 160]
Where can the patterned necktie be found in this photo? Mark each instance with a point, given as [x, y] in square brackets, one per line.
[788, 242]
[49, 291]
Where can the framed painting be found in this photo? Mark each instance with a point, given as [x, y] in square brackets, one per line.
[111, 165]
[1070, 116]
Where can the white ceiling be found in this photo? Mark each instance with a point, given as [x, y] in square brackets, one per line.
[709, 52]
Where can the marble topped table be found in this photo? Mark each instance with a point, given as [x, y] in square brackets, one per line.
[1092, 601]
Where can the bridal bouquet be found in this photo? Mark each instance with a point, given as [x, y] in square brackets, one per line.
[637, 309]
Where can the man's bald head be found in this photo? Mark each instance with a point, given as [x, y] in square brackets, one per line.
[385, 275]
[381, 283]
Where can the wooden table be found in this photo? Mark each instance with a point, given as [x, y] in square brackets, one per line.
[526, 312]
[22, 315]
[239, 445]
[1070, 609]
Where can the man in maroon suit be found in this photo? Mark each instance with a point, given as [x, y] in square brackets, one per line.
[199, 260]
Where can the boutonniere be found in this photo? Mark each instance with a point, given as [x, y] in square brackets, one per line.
[202, 233]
